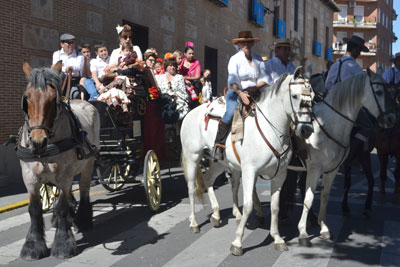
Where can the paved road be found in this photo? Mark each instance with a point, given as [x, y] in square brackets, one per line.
[126, 233]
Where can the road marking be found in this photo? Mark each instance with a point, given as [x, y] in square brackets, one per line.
[390, 254]
[318, 255]
[138, 236]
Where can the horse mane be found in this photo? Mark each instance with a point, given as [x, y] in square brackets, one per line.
[41, 77]
[273, 89]
[348, 90]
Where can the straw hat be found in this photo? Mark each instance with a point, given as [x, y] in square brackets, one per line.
[281, 42]
[357, 41]
[245, 36]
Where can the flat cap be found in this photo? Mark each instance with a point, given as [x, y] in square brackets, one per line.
[66, 37]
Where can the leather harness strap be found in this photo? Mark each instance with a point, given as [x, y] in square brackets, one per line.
[276, 153]
[67, 83]
[235, 152]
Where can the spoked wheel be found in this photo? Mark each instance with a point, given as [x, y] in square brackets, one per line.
[204, 164]
[48, 194]
[152, 180]
[113, 176]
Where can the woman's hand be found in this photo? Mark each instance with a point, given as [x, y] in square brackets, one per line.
[245, 97]
[187, 82]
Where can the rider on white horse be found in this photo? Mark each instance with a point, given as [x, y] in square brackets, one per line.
[345, 68]
[245, 72]
[280, 63]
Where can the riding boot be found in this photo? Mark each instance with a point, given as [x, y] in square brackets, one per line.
[222, 134]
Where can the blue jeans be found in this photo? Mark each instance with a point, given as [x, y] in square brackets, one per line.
[90, 87]
[231, 104]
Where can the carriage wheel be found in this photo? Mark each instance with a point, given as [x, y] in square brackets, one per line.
[152, 180]
[48, 195]
[113, 177]
[141, 106]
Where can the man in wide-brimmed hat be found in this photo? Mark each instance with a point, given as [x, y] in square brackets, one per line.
[392, 75]
[244, 73]
[280, 63]
[347, 66]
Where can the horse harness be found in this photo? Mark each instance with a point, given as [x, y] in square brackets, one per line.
[78, 140]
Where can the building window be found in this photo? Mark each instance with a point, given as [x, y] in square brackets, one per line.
[342, 15]
[359, 13]
[379, 15]
[327, 44]
[296, 15]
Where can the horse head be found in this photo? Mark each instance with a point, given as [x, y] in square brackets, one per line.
[39, 103]
[379, 101]
[300, 98]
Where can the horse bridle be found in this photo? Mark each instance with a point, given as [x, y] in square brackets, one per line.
[303, 103]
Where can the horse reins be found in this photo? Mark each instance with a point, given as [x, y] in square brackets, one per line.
[67, 82]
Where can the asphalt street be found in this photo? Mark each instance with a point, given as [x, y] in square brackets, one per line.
[127, 233]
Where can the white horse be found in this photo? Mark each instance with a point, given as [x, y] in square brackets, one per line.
[48, 145]
[289, 100]
[328, 145]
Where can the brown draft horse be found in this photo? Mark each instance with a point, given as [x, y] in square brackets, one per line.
[48, 145]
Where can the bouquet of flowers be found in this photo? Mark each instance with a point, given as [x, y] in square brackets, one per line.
[153, 93]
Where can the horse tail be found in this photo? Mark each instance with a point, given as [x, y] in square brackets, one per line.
[199, 182]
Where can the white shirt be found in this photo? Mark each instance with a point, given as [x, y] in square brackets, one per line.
[274, 68]
[206, 91]
[75, 60]
[388, 75]
[116, 53]
[240, 72]
[98, 64]
[349, 69]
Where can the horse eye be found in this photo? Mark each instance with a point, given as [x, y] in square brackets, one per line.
[294, 96]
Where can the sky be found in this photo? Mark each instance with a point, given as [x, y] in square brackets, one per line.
[396, 27]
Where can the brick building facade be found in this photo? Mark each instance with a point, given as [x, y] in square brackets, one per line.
[371, 20]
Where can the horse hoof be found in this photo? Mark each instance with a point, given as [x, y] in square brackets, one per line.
[304, 242]
[238, 222]
[281, 247]
[367, 213]
[260, 219]
[215, 222]
[325, 236]
[34, 250]
[194, 229]
[236, 251]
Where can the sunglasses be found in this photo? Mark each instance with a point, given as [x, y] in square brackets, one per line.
[69, 42]
[126, 37]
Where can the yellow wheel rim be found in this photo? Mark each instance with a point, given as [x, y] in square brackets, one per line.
[153, 181]
[48, 194]
[141, 106]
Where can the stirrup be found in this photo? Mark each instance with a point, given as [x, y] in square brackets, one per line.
[220, 152]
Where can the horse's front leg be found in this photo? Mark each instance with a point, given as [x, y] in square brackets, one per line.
[365, 161]
[347, 185]
[64, 245]
[396, 196]
[257, 206]
[276, 186]
[209, 180]
[235, 181]
[327, 180]
[383, 162]
[84, 216]
[248, 180]
[311, 184]
[35, 247]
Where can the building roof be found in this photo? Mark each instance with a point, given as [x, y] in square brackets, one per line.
[331, 4]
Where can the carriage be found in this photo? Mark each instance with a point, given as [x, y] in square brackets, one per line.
[120, 157]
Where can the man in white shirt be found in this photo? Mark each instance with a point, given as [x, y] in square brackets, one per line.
[72, 61]
[392, 75]
[280, 63]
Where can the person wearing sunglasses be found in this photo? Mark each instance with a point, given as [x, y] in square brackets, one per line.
[125, 36]
[72, 60]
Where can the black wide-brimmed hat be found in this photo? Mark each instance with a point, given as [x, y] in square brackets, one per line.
[357, 41]
[396, 56]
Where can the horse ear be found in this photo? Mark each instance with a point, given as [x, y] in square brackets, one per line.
[27, 69]
[298, 72]
[58, 66]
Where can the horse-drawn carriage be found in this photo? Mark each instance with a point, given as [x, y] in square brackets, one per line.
[121, 151]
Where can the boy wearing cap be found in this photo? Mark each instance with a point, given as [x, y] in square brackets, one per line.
[280, 63]
[392, 75]
[72, 61]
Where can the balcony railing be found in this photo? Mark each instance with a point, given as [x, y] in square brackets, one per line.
[353, 23]
[339, 49]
